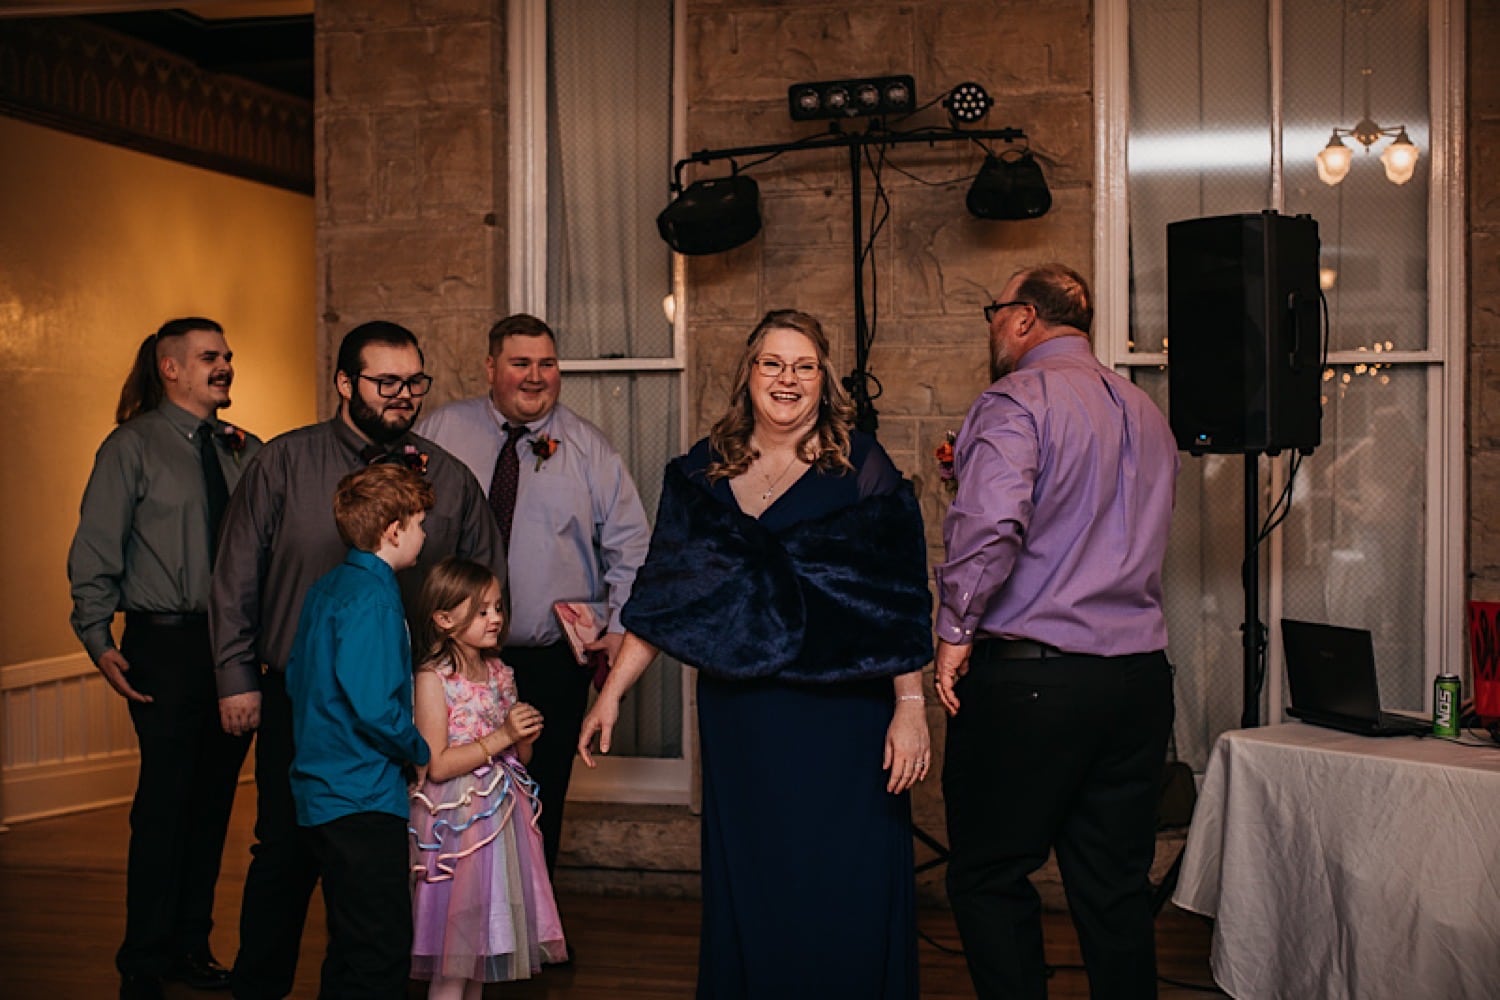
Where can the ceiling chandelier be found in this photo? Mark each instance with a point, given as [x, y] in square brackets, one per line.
[1399, 158]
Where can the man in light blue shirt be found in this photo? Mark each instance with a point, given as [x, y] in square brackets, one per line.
[573, 524]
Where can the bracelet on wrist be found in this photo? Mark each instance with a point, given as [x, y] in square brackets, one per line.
[911, 697]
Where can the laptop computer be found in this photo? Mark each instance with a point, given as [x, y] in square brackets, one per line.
[1331, 671]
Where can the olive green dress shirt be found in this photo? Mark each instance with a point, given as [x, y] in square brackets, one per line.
[142, 542]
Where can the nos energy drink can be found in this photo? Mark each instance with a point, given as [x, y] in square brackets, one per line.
[1445, 698]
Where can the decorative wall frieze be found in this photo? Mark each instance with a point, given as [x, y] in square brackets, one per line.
[72, 75]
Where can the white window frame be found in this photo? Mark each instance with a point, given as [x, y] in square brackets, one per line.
[617, 779]
[1446, 611]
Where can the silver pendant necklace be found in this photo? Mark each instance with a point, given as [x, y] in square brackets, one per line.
[772, 484]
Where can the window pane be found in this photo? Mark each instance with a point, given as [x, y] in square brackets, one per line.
[1199, 140]
[1353, 544]
[1374, 233]
[640, 413]
[609, 159]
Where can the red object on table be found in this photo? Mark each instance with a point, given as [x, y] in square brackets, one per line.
[1484, 654]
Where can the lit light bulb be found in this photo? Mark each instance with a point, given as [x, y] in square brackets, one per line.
[1400, 159]
[1334, 161]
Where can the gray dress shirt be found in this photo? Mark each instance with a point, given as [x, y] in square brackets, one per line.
[579, 531]
[142, 541]
[279, 537]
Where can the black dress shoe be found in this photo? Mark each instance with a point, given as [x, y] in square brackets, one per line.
[200, 971]
[138, 987]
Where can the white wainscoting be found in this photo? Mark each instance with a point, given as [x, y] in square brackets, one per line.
[66, 742]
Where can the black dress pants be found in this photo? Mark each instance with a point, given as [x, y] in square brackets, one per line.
[551, 679]
[184, 795]
[283, 865]
[367, 893]
[1063, 752]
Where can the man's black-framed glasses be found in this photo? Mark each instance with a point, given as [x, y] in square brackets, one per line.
[805, 371]
[994, 307]
[390, 386]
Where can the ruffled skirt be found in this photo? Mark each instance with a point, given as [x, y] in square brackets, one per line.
[482, 904]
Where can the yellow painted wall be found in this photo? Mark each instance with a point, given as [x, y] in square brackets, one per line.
[98, 246]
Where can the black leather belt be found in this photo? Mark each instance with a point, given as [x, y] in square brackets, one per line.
[166, 619]
[1016, 649]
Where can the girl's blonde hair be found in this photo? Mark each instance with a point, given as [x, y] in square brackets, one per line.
[449, 584]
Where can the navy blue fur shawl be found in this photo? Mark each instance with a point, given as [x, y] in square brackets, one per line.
[838, 598]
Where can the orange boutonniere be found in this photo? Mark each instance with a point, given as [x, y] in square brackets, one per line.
[944, 455]
[414, 458]
[544, 448]
[233, 440]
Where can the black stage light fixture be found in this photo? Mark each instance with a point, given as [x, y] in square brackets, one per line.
[1009, 186]
[862, 97]
[967, 103]
[712, 216]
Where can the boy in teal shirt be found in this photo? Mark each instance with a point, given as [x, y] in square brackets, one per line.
[349, 677]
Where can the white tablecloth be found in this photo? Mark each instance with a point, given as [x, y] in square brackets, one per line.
[1348, 866]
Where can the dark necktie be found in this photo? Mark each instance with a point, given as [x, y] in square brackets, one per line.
[214, 485]
[505, 480]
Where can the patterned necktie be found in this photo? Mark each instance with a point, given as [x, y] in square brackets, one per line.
[505, 480]
[214, 485]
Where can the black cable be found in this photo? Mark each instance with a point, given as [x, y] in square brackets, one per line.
[969, 176]
[940, 947]
[880, 214]
[1278, 512]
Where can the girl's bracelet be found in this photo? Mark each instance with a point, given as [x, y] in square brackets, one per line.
[911, 697]
[485, 747]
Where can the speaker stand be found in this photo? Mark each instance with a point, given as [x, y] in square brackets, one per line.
[1252, 631]
[1254, 643]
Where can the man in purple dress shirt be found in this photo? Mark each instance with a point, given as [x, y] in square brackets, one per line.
[1051, 655]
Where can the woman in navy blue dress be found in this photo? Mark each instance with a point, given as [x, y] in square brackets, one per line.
[788, 565]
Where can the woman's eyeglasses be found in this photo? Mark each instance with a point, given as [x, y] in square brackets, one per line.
[805, 371]
[390, 386]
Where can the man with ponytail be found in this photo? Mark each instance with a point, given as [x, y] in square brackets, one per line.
[147, 530]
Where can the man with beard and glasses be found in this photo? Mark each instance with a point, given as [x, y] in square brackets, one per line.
[145, 545]
[279, 537]
[1051, 656]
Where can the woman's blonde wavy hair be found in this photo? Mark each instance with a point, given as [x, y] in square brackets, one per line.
[826, 445]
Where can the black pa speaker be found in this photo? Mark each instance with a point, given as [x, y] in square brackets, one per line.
[1243, 334]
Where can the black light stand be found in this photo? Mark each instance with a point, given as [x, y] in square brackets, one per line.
[877, 135]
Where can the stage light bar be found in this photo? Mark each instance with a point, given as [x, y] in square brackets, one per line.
[876, 95]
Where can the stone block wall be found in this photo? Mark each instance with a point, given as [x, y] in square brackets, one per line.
[935, 265]
[411, 177]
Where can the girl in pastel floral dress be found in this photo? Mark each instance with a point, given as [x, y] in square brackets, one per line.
[482, 905]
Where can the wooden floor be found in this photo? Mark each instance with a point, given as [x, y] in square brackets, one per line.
[62, 887]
